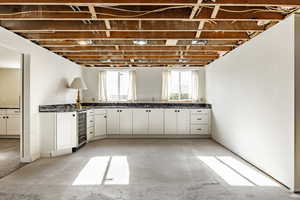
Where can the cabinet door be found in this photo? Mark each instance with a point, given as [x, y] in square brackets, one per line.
[112, 121]
[170, 121]
[100, 125]
[140, 121]
[156, 121]
[125, 121]
[2, 125]
[13, 125]
[66, 135]
[183, 121]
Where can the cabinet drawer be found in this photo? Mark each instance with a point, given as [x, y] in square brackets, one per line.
[90, 131]
[90, 112]
[12, 111]
[200, 111]
[199, 119]
[199, 129]
[100, 111]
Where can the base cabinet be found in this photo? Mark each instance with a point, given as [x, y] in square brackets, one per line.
[10, 122]
[140, 121]
[156, 121]
[119, 121]
[100, 122]
[148, 121]
[59, 133]
[177, 121]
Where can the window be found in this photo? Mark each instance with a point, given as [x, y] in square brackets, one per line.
[117, 84]
[181, 85]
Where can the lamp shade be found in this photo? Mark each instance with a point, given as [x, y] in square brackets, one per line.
[78, 83]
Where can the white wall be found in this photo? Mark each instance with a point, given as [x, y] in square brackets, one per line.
[9, 87]
[252, 95]
[49, 76]
[149, 83]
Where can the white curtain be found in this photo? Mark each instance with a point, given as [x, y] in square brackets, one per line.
[166, 78]
[102, 96]
[132, 86]
[195, 85]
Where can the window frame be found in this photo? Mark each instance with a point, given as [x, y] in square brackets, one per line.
[119, 86]
[180, 87]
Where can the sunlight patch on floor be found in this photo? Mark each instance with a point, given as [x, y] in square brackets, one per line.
[107, 170]
[93, 172]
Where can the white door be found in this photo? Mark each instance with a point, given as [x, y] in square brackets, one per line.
[100, 125]
[66, 135]
[2, 125]
[112, 117]
[156, 121]
[171, 121]
[125, 121]
[13, 125]
[140, 121]
[183, 121]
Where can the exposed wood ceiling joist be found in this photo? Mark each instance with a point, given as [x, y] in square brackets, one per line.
[142, 33]
[153, 2]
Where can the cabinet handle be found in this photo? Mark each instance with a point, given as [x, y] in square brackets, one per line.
[120, 110]
[104, 116]
[149, 110]
[7, 117]
[73, 115]
[199, 129]
[199, 111]
[199, 119]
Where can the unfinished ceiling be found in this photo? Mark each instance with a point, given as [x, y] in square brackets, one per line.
[142, 32]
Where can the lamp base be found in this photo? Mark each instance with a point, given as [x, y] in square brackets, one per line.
[78, 106]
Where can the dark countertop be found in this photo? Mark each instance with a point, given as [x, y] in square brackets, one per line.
[156, 105]
[2, 108]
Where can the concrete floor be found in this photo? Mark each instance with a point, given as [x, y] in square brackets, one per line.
[9, 156]
[143, 170]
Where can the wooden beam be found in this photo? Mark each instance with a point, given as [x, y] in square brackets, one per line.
[92, 11]
[136, 35]
[91, 57]
[215, 12]
[200, 29]
[153, 2]
[195, 9]
[151, 53]
[74, 43]
[144, 63]
[77, 26]
[108, 28]
[237, 14]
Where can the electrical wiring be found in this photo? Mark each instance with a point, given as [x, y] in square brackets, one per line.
[268, 9]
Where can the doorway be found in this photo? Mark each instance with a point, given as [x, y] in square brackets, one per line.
[11, 117]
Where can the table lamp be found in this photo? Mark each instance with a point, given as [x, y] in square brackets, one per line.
[78, 84]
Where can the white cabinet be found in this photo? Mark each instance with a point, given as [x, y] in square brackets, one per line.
[58, 133]
[177, 121]
[183, 121]
[66, 130]
[10, 122]
[13, 125]
[148, 121]
[100, 122]
[119, 121]
[2, 125]
[125, 121]
[156, 121]
[90, 124]
[140, 121]
[170, 121]
[112, 121]
[200, 121]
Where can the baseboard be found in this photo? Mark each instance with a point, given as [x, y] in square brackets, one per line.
[9, 137]
[169, 136]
